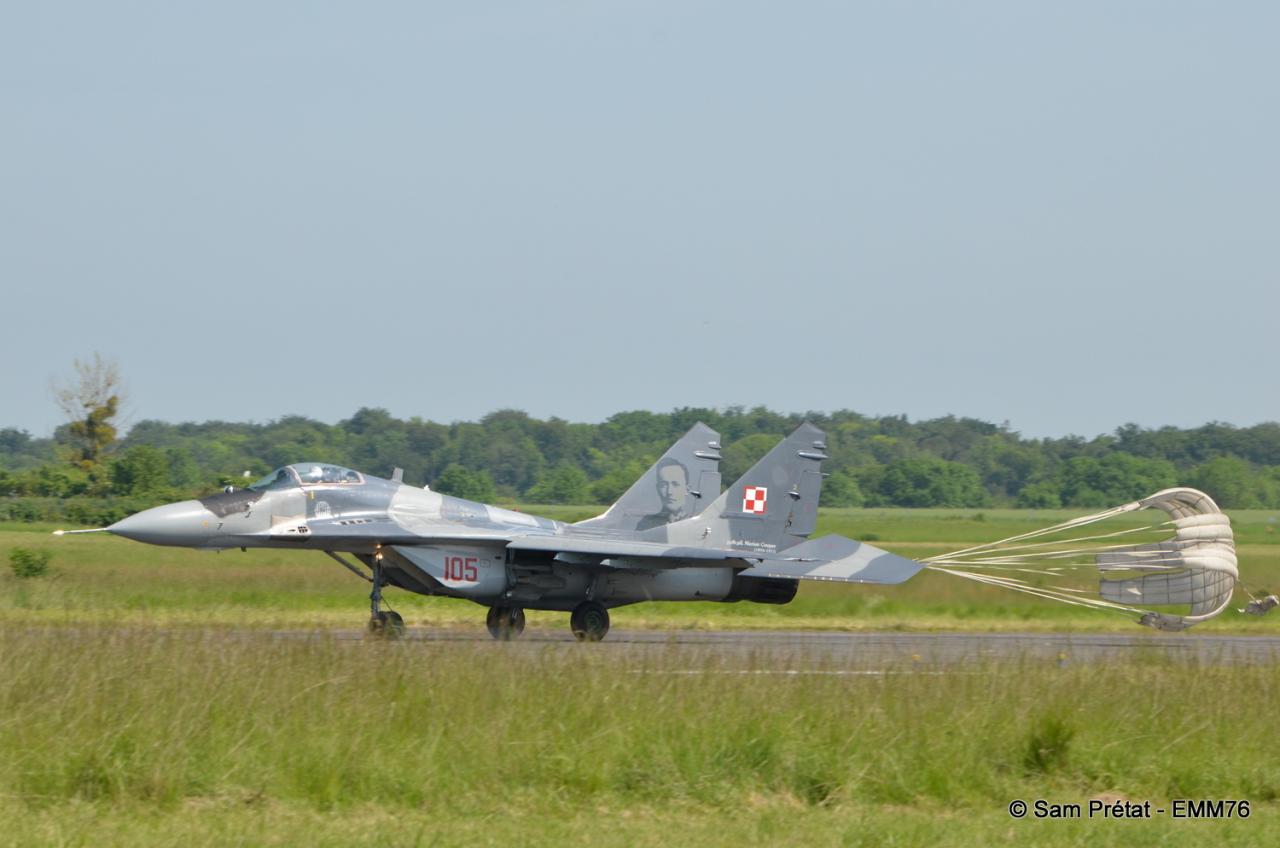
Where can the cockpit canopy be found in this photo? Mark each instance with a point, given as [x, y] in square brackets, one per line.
[308, 474]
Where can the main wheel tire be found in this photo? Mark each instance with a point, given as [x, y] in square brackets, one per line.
[589, 621]
[505, 623]
[388, 624]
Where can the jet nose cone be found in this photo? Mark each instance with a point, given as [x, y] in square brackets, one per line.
[186, 523]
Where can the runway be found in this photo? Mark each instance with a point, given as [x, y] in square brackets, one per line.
[786, 649]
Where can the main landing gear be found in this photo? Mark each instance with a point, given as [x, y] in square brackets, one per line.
[589, 621]
[505, 623]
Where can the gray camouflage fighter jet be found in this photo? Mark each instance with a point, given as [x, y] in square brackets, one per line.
[673, 536]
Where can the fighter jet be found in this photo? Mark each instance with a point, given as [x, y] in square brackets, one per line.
[673, 536]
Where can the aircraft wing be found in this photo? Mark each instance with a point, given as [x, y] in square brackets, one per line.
[833, 557]
[607, 548]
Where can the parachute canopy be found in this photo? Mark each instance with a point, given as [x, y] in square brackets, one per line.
[1193, 571]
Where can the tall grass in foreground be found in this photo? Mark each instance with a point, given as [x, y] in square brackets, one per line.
[159, 719]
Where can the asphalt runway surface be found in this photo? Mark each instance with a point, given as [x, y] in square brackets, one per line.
[790, 650]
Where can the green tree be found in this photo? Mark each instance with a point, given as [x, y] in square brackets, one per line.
[564, 483]
[1114, 479]
[1231, 482]
[744, 453]
[841, 489]
[296, 438]
[512, 459]
[53, 481]
[18, 450]
[611, 486]
[1269, 486]
[140, 470]
[1043, 494]
[925, 482]
[462, 482]
[183, 471]
[91, 401]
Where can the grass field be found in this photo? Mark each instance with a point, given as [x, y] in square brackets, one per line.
[124, 736]
[212, 730]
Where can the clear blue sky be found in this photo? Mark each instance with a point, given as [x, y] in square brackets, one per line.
[1066, 216]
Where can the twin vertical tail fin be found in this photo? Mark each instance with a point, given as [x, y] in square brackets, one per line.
[772, 507]
[680, 485]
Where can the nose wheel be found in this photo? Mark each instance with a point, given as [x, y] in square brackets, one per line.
[589, 621]
[505, 623]
[387, 623]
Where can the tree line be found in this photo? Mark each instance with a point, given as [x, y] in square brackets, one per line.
[509, 456]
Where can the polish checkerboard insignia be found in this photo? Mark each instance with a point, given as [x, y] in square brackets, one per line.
[755, 500]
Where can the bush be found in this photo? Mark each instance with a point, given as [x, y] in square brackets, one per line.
[21, 509]
[1047, 743]
[29, 563]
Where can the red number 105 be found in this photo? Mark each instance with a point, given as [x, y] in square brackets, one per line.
[459, 568]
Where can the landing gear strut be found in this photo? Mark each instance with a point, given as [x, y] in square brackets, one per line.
[385, 623]
[505, 623]
[589, 621]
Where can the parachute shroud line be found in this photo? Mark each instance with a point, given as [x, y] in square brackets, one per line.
[1196, 568]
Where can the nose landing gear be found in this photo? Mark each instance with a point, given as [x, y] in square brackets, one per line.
[385, 623]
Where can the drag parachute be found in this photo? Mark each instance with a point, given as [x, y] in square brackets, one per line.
[1193, 571]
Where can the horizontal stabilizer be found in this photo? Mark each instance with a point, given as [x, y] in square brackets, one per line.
[837, 558]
